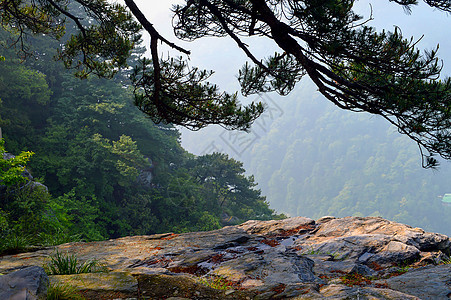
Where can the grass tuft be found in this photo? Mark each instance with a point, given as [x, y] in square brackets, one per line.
[66, 264]
[14, 243]
[446, 261]
[63, 292]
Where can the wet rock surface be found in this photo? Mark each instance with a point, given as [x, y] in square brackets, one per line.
[296, 258]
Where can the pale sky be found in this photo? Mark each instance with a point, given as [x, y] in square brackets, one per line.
[223, 56]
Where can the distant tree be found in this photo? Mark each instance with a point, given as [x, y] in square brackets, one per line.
[353, 66]
[230, 190]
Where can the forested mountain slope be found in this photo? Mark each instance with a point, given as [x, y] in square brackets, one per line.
[110, 170]
[313, 159]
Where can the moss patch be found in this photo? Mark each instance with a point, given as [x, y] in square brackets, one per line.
[100, 285]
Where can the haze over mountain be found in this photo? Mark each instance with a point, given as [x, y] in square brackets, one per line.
[311, 158]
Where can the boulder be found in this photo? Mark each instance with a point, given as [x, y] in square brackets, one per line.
[395, 253]
[26, 284]
[290, 226]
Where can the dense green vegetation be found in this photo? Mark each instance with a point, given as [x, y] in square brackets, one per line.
[110, 171]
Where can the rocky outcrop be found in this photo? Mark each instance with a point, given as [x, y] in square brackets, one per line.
[296, 258]
[145, 176]
[28, 283]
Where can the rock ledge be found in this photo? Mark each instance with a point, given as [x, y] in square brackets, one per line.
[295, 258]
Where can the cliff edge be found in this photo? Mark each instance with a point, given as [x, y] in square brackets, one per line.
[295, 258]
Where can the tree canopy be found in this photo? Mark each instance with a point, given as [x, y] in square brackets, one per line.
[108, 170]
[353, 65]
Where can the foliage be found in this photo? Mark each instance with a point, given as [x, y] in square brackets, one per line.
[28, 221]
[101, 44]
[185, 97]
[232, 192]
[25, 209]
[110, 170]
[21, 89]
[78, 215]
[129, 159]
[22, 84]
[3, 220]
[67, 264]
[57, 237]
[353, 66]
[99, 47]
[14, 243]
[26, 217]
[11, 169]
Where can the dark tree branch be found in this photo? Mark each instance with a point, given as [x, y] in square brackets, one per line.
[71, 16]
[149, 27]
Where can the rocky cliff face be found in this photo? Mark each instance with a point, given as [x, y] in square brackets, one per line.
[296, 258]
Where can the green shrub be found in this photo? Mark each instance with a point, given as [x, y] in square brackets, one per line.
[11, 169]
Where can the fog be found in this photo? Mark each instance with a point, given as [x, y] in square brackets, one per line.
[293, 156]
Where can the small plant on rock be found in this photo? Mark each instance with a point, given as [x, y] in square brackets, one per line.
[403, 269]
[446, 261]
[311, 251]
[216, 282]
[66, 264]
[355, 279]
[62, 292]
